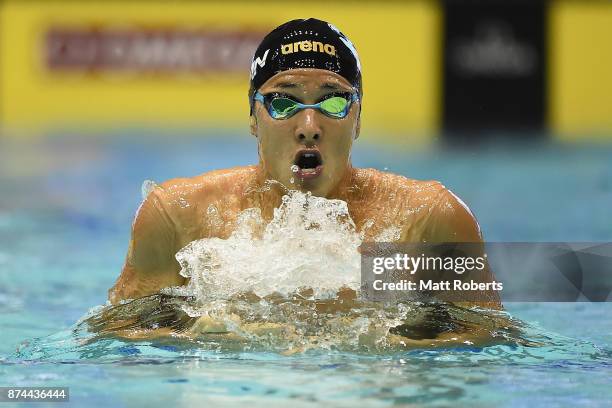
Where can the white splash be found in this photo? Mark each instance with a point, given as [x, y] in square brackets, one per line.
[391, 234]
[147, 187]
[311, 242]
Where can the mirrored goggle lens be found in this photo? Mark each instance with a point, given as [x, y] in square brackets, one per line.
[283, 107]
[335, 106]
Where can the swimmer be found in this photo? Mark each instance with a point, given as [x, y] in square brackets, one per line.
[305, 111]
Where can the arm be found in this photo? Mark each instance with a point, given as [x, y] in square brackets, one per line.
[150, 264]
[452, 221]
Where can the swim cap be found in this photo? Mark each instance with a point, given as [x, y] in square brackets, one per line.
[305, 43]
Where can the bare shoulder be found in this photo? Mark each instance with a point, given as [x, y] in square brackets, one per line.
[397, 186]
[441, 214]
[184, 193]
[426, 208]
[200, 206]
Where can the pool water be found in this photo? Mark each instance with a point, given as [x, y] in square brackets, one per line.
[65, 211]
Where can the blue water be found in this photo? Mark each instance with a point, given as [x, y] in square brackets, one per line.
[66, 205]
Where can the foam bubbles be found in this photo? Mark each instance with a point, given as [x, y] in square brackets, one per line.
[147, 187]
[311, 243]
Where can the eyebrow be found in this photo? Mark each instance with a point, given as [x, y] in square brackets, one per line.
[292, 85]
[286, 85]
[330, 86]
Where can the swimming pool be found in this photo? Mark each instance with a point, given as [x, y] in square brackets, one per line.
[65, 213]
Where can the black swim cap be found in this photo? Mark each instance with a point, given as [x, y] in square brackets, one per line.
[305, 43]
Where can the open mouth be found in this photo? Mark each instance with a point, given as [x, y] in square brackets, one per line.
[309, 163]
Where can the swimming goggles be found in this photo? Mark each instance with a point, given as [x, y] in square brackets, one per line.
[281, 106]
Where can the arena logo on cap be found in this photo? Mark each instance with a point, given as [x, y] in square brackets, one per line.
[308, 46]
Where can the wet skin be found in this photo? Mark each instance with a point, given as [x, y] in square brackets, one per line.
[280, 141]
[183, 210]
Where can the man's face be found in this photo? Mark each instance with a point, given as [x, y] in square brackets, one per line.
[317, 144]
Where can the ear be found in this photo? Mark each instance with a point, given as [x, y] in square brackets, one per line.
[253, 124]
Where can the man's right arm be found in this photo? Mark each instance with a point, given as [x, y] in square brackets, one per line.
[150, 264]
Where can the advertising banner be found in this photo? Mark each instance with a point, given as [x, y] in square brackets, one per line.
[494, 65]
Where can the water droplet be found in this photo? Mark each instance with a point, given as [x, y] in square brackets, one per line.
[147, 187]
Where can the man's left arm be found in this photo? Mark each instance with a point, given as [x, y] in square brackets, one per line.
[452, 221]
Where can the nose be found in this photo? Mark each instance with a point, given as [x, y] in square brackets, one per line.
[308, 129]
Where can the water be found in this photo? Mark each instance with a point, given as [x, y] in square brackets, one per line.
[65, 215]
[315, 232]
